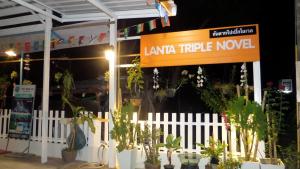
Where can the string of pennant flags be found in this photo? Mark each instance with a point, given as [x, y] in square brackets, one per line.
[152, 24]
[61, 39]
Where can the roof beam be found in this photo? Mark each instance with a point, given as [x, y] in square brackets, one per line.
[102, 7]
[22, 30]
[36, 9]
[46, 6]
[19, 20]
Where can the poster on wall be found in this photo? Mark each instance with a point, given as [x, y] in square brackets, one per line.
[21, 118]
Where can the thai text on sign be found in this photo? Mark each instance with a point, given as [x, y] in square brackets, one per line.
[207, 46]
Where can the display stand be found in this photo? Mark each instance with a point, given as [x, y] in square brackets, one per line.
[20, 122]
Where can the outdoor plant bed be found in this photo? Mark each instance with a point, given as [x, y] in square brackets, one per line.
[268, 163]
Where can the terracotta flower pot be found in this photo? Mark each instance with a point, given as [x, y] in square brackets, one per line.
[68, 156]
[136, 102]
[152, 166]
[168, 166]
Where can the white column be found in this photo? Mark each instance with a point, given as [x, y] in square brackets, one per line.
[112, 90]
[257, 81]
[298, 80]
[257, 98]
[46, 75]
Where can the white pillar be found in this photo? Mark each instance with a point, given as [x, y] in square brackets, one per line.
[257, 81]
[298, 80]
[21, 67]
[112, 90]
[257, 98]
[46, 77]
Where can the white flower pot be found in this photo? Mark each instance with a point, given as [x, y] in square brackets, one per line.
[127, 159]
[265, 165]
[250, 165]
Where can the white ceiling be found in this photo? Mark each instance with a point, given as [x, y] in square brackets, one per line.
[23, 16]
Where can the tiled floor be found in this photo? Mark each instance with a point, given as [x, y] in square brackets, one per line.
[17, 161]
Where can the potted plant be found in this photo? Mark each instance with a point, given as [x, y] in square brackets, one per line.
[124, 133]
[160, 94]
[274, 107]
[189, 160]
[135, 82]
[57, 77]
[150, 141]
[230, 163]
[4, 83]
[250, 121]
[172, 144]
[213, 151]
[76, 139]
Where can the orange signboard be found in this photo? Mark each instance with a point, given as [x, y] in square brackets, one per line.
[204, 46]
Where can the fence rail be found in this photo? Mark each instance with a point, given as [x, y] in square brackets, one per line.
[192, 127]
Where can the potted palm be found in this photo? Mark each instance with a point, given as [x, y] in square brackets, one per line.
[150, 141]
[135, 82]
[124, 133]
[172, 144]
[213, 151]
[76, 139]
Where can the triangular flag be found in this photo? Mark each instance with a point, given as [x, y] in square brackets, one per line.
[148, 2]
[152, 24]
[140, 28]
[165, 21]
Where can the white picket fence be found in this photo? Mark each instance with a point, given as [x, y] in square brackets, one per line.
[192, 127]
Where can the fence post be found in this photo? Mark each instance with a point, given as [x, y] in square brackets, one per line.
[56, 127]
[106, 134]
[150, 121]
[182, 130]
[174, 124]
[198, 131]
[50, 128]
[157, 120]
[1, 124]
[233, 139]
[190, 132]
[6, 120]
[34, 125]
[40, 125]
[206, 129]
[166, 125]
[215, 127]
[62, 128]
